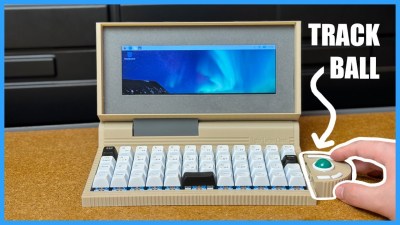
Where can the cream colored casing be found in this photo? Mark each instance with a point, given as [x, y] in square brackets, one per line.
[228, 128]
[225, 132]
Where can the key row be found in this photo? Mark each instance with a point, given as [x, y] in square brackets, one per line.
[251, 149]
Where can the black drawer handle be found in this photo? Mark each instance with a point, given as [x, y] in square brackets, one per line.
[29, 66]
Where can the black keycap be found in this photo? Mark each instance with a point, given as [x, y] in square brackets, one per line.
[110, 151]
[289, 159]
[198, 179]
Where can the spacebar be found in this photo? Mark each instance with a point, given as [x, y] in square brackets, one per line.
[198, 179]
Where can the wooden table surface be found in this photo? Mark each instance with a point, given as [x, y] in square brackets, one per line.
[45, 172]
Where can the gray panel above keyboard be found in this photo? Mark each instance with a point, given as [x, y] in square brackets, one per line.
[166, 127]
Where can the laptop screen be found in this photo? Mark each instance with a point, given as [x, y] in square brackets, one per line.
[198, 69]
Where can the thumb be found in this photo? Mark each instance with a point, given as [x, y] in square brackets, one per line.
[358, 195]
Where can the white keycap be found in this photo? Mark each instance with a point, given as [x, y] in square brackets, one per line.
[239, 161]
[223, 157]
[119, 180]
[292, 167]
[206, 149]
[253, 162]
[296, 179]
[172, 171]
[124, 159]
[190, 149]
[207, 164]
[157, 157]
[172, 179]
[224, 166]
[274, 167]
[241, 167]
[260, 179]
[256, 157]
[142, 157]
[137, 179]
[139, 166]
[239, 149]
[272, 158]
[225, 179]
[156, 166]
[190, 157]
[141, 150]
[107, 160]
[207, 167]
[123, 162]
[102, 180]
[189, 167]
[271, 149]
[242, 179]
[174, 149]
[122, 168]
[222, 149]
[278, 179]
[255, 149]
[174, 157]
[125, 148]
[209, 157]
[173, 166]
[106, 168]
[155, 179]
[125, 151]
[287, 150]
[157, 149]
[239, 157]
[258, 167]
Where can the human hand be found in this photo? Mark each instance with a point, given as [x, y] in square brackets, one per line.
[381, 199]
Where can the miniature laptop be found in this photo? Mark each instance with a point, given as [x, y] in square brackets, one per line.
[201, 113]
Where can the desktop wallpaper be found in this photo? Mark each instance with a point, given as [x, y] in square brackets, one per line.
[199, 70]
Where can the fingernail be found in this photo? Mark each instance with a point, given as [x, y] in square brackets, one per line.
[339, 192]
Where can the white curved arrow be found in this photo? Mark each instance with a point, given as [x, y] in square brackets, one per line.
[321, 142]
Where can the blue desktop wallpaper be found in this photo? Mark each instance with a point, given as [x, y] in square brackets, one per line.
[207, 71]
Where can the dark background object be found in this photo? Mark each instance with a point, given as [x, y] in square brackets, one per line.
[50, 59]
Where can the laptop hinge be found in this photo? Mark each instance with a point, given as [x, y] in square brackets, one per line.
[165, 127]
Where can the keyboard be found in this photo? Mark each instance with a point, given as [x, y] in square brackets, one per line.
[198, 167]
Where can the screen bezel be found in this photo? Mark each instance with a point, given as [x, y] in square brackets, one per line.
[213, 111]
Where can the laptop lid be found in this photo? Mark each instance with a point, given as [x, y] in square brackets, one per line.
[207, 71]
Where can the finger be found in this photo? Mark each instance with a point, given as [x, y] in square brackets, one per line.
[359, 196]
[375, 150]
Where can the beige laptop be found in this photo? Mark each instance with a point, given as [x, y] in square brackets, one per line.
[201, 113]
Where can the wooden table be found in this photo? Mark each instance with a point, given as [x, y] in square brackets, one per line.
[45, 172]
